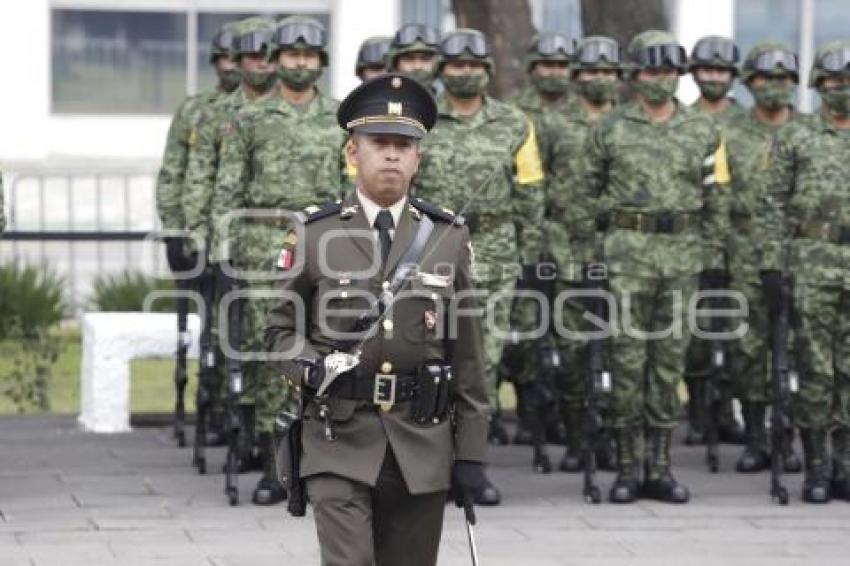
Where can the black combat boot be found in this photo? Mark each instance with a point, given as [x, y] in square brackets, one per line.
[606, 451]
[269, 489]
[815, 482]
[729, 430]
[523, 436]
[572, 460]
[755, 457]
[840, 484]
[696, 408]
[659, 482]
[624, 488]
[790, 461]
[496, 433]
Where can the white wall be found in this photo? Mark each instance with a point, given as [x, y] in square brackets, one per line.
[693, 19]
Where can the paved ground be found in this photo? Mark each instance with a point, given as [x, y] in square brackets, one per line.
[68, 498]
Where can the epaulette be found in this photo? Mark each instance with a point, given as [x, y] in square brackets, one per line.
[437, 213]
[313, 213]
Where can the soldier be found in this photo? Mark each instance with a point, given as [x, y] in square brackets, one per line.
[643, 174]
[770, 73]
[414, 52]
[252, 36]
[372, 57]
[569, 223]
[170, 189]
[378, 491]
[714, 66]
[804, 230]
[2, 214]
[281, 154]
[482, 159]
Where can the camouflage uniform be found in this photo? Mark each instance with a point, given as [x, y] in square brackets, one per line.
[2, 214]
[804, 229]
[663, 227]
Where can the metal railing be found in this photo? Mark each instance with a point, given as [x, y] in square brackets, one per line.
[81, 224]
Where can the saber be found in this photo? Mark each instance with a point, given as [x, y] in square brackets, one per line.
[469, 519]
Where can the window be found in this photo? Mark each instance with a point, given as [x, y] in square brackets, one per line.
[117, 62]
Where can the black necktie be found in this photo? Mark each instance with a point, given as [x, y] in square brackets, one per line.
[384, 223]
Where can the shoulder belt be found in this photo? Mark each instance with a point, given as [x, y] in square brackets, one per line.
[437, 213]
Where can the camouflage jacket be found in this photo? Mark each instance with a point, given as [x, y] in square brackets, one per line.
[729, 116]
[2, 214]
[808, 205]
[641, 169]
[535, 107]
[170, 182]
[569, 222]
[750, 145]
[204, 158]
[487, 167]
[279, 157]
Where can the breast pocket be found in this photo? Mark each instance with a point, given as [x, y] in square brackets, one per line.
[339, 306]
[422, 312]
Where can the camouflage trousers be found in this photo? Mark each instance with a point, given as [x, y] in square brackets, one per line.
[257, 248]
[496, 327]
[749, 354]
[822, 345]
[647, 351]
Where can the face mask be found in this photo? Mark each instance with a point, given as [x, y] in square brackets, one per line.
[424, 76]
[299, 79]
[260, 81]
[657, 92]
[772, 96]
[229, 80]
[713, 90]
[466, 86]
[837, 100]
[598, 91]
[551, 85]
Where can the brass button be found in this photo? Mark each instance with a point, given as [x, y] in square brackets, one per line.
[385, 285]
[388, 325]
[434, 296]
[386, 367]
[343, 295]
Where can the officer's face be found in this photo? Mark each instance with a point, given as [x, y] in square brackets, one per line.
[385, 165]
[587, 75]
[224, 63]
[713, 74]
[459, 68]
[372, 71]
[256, 62]
[657, 74]
[415, 61]
[551, 69]
[299, 59]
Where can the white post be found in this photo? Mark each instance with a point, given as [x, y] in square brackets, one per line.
[807, 53]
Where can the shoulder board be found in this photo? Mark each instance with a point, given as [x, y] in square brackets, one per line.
[313, 213]
[437, 213]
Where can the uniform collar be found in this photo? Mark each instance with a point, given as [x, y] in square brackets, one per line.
[634, 111]
[315, 107]
[371, 208]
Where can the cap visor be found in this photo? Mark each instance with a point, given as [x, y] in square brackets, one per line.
[392, 129]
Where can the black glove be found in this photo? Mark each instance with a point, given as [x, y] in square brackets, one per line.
[771, 283]
[314, 375]
[714, 279]
[179, 255]
[468, 479]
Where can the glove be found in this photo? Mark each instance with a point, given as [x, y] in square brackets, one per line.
[180, 257]
[771, 283]
[467, 480]
[714, 279]
[314, 375]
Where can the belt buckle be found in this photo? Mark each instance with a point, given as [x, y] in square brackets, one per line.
[384, 393]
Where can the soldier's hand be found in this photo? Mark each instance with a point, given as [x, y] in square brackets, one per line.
[467, 479]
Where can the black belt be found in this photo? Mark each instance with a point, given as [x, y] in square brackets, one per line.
[825, 231]
[663, 222]
[378, 388]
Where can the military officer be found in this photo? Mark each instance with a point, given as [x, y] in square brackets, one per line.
[281, 154]
[482, 159]
[371, 57]
[770, 73]
[651, 170]
[414, 52]
[170, 189]
[804, 230]
[714, 66]
[378, 490]
[570, 229]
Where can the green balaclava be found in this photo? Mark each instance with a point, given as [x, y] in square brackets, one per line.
[469, 85]
[260, 81]
[299, 78]
[772, 95]
[222, 46]
[714, 52]
[552, 85]
[598, 90]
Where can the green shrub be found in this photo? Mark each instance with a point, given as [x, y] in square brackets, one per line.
[31, 304]
[126, 292]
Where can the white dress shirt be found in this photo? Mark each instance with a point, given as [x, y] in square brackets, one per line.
[371, 209]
